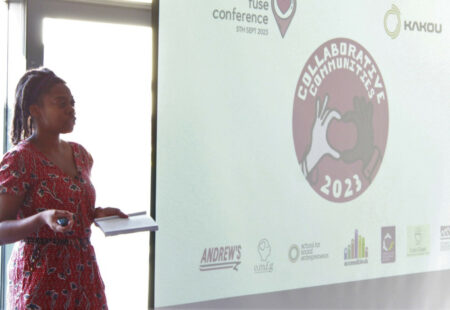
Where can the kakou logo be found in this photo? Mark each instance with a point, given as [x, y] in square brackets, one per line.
[224, 257]
[340, 120]
[393, 24]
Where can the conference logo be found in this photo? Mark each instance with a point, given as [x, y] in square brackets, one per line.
[340, 120]
[418, 240]
[265, 264]
[307, 251]
[284, 11]
[388, 244]
[356, 252]
[224, 257]
[445, 238]
[393, 24]
[253, 16]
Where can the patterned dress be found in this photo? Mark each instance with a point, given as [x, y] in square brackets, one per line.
[49, 270]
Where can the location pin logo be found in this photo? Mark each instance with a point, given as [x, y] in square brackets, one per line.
[284, 11]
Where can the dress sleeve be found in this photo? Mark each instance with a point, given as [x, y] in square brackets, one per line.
[14, 178]
[85, 157]
[90, 160]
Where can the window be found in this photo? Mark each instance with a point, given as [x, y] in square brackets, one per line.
[3, 60]
[104, 53]
[109, 73]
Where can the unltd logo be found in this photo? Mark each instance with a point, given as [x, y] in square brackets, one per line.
[224, 257]
[264, 250]
[393, 24]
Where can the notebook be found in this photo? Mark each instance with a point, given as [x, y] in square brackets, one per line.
[114, 225]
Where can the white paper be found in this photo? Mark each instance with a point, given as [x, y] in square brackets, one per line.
[114, 225]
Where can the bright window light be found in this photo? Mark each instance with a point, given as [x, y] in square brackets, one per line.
[108, 69]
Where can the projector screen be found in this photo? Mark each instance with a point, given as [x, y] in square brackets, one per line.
[300, 144]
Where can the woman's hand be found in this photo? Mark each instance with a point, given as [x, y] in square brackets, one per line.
[50, 218]
[103, 212]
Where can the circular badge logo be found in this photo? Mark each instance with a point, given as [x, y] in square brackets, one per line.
[294, 253]
[340, 120]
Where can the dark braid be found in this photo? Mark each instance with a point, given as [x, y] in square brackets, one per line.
[33, 84]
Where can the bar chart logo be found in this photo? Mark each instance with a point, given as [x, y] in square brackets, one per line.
[356, 252]
[388, 244]
[418, 240]
[445, 238]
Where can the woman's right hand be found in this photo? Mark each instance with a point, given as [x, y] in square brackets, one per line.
[50, 217]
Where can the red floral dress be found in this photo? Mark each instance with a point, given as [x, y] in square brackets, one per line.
[49, 270]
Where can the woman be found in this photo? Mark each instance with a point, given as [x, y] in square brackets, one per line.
[47, 203]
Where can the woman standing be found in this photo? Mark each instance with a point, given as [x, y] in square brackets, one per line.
[47, 203]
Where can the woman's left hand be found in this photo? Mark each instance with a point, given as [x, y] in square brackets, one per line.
[103, 212]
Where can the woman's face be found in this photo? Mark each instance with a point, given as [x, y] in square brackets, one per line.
[55, 112]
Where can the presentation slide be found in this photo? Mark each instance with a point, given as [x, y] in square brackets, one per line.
[300, 144]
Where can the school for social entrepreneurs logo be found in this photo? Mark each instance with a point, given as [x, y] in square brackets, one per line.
[308, 251]
[418, 240]
[225, 257]
[445, 238]
[393, 24]
[388, 244]
[284, 11]
[356, 252]
[264, 250]
[340, 120]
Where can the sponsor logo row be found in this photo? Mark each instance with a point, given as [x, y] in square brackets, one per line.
[355, 252]
[254, 16]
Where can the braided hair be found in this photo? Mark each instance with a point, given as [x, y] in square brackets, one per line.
[33, 84]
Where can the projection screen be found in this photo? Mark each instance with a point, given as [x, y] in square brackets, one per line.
[300, 144]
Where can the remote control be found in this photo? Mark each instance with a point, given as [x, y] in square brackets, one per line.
[62, 221]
